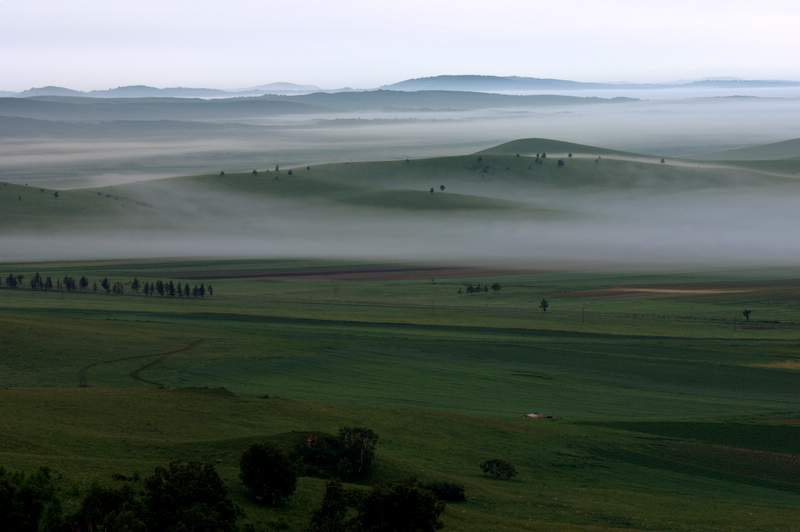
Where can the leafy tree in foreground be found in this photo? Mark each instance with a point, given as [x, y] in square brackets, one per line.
[188, 496]
[28, 503]
[544, 305]
[109, 509]
[498, 469]
[268, 474]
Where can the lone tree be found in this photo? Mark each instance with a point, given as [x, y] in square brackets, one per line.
[268, 474]
[442, 188]
[431, 190]
[544, 305]
[746, 313]
[498, 469]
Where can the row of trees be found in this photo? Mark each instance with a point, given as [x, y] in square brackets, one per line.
[480, 288]
[83, 284]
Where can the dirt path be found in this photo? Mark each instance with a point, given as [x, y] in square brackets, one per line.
[135, 374]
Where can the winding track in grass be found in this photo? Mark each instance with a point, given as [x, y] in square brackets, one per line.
[137, 373]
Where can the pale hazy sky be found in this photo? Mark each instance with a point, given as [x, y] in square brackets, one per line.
[363, 43]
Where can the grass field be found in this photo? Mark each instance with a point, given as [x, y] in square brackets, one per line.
[671, 412]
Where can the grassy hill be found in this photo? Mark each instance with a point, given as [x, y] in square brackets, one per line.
[787, 149]
[502, 182]
[538, 145]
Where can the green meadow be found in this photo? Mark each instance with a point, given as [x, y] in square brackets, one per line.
[670, 411]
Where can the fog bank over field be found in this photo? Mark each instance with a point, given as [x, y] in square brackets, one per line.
[65, 154]
[735, 228]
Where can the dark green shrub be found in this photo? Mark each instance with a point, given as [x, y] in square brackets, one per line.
[268, 474]
[117, 509]
[399, 508]
[446, 491]
[498, 469]
[336, 512]
[187, 496]
[349, 456]
[319, 453]
[28, 503]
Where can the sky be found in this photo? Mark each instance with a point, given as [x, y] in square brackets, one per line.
[90, 44]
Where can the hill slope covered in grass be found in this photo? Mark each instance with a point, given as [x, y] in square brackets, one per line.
[502, 182]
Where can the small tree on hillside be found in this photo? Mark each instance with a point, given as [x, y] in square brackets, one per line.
[544, 305]
[746, 313]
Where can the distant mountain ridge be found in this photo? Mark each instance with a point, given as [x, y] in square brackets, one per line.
[146, 91]
[480, 83]
[87, 109]
[444, 82]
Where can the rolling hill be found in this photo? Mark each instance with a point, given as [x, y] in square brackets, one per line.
[787, 149]
[501, 183]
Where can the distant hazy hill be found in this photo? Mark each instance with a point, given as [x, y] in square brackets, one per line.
[480, 83]
[787, 149]
[742, 83]
[49, 91]
[489, 84]
[283, 87]
[85, 109]
[146, 91]
[439, 100]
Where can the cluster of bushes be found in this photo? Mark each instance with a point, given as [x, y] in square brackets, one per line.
[390, 508]
[480, 288]
[181, 496]
[347, 456]
[186, 496]
[83, 284]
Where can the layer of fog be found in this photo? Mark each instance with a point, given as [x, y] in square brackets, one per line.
[737, 227]
[670, 127]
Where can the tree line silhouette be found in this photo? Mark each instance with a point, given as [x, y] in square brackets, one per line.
[68, 283]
